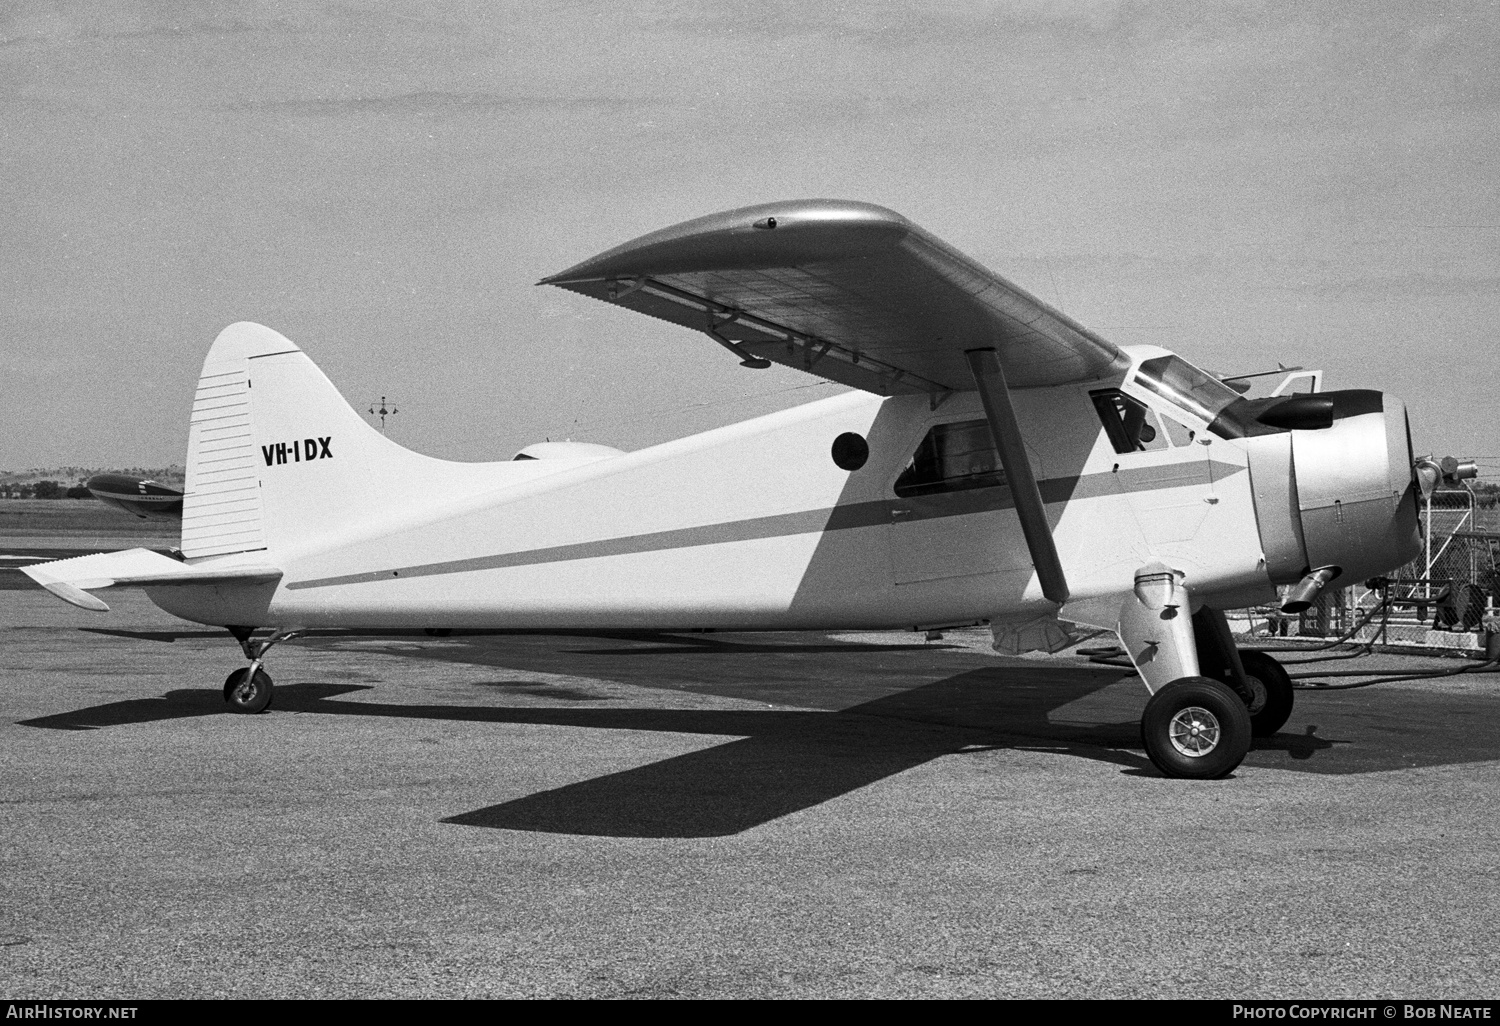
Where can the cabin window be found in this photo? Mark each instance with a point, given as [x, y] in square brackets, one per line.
[1178, 433]
[1129, 423]
[952, 458]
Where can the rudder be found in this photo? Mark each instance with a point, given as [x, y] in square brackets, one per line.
[221, 507]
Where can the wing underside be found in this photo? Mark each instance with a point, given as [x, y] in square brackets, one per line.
[848, 291]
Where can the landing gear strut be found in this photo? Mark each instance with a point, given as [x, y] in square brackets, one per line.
[1255, 676]
[1197, 724]
[250, 690]
[1208, 699]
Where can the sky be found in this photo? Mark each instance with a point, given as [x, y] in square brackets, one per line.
[384, 183]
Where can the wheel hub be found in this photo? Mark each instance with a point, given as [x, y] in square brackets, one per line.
[1258, 693]
[1194, 731]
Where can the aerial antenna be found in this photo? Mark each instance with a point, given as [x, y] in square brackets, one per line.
[1241, 382]
[1280, 369]
[382, 413]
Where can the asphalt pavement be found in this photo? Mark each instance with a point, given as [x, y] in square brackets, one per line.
[711, 815]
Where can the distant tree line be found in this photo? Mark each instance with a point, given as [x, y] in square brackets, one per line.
[44, 490]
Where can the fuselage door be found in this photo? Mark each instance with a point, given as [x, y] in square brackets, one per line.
[953, 515]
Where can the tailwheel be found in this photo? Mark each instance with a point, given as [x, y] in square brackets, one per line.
[1196, 728]
[248, 693]
[1271, 691]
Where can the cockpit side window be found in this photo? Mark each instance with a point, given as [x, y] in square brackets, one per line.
[1129, 423]
[1180, 434]
[952, 458]
[1180, 383]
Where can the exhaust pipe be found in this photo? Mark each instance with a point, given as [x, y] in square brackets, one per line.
[1305, 592]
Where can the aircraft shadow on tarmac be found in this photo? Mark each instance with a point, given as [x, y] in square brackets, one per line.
[781, 761]
[664, 644]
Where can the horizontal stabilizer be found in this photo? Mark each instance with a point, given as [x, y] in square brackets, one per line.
[72, 579]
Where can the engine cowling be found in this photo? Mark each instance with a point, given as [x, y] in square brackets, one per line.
[1340, 500]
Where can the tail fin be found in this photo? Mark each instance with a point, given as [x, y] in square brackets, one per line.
[276, 456]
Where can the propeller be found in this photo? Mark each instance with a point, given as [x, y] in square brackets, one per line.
[1449, 470]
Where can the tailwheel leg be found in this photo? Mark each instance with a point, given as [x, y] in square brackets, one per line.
[250, 690]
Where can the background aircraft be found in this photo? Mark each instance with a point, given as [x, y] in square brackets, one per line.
[996, 463]
[139, 496]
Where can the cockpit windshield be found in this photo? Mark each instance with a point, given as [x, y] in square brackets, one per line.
[1179, 382]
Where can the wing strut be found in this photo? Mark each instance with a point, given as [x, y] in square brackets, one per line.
[989, 378]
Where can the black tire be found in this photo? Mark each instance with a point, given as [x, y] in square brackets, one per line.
[252, 698]
[1273, 690]
[1196, 729]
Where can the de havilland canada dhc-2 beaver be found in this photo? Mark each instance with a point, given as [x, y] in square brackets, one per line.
[995, 462]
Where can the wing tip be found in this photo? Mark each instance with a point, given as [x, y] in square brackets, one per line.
[755, 225]
[74, 595]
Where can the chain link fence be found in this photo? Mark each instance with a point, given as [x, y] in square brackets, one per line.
[1440, 601]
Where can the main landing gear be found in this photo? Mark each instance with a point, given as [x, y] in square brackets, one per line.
[250, 690]
[1196, 728]
[1208, 699]
[1271, 693]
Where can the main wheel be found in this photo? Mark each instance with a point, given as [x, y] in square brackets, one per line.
[1196, 728]
[1272, 688]
[246, 694]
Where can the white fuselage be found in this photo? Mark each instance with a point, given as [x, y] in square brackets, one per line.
[748, 526]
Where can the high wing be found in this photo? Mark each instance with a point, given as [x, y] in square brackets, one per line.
[848, 291]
